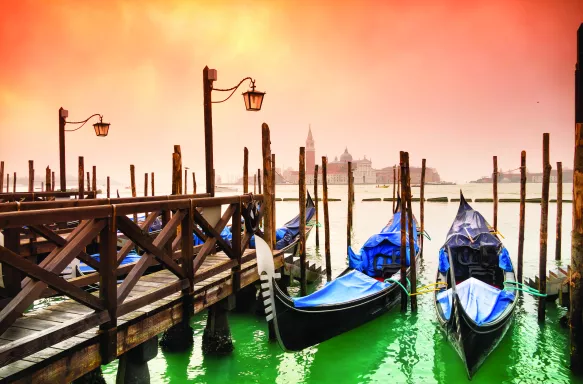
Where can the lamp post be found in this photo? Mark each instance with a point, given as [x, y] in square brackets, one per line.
[101, 130]
[253, 101]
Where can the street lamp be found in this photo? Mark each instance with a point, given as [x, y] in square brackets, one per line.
[253, 100]
[101, 130]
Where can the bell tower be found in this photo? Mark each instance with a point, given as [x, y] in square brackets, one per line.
[310, 153]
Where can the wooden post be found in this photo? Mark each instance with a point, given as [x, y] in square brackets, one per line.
[326, 218]
[254, 183]
[94, 180]
[259, 181]
[146, 184]
[108, 188]
[559, 234]
[422, 205]
[495, 191]
[185, 180]
[88, 182]
[187, 253]
[399, 181]
[48, 179]
[133, 186]
[522, 213]
[245, 170]
[30, 176]
[576, 289]
[14, 183]
[316, 205]
[81, 177]
[302, 192]
[7, 182]
[193, 183]
[266, 151]
[349, 215]
[53, 181]
[413, 261]
[207, 84]
[108, 288]
[236, 230]
[403, 257]
[273, 221]
[394, 186]
[544, 221]
[153, 185]
[1, 176]
[12, 277]
[177, 171]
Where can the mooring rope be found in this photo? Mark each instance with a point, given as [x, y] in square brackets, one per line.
[516, 286]
[314, 223]
[421, 290]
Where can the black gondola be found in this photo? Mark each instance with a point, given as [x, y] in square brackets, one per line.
[347, 302]
[475, 266]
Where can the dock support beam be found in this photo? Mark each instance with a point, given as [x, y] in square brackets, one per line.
[216, 339]
[133, 365]
[91, 377]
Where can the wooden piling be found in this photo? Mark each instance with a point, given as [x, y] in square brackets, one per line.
[1, 176]
[14, 183]
[326, 219]
[42, 186]
[193, 183]
[133, 186]
[559, 235]
[399, 180]
[48, 179]
[522, 214]
[302, 202]
[7, 182]
[422, 205]
[108, 188]
[259, 181]
[81, 178]
[153, 185]
[394, 186]
[30, 176]
[544, 220]
[413, 261]
[316, 205]
[145, 184]
[576, 286]
[186, 181]
[273, 222]
[53, 181]
[403, 255]
[349, 215]
[245, 170]
[254, 183]
[266, 152]
[495, 190]
[94, 180]
[177, 172]
[88, 182]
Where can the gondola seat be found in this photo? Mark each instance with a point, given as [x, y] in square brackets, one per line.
[387, 265]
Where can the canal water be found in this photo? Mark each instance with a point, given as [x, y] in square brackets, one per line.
[397, 347]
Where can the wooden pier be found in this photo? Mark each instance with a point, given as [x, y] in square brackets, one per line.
[69, 338]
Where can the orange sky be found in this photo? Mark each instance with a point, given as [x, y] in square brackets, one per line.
[452, 81]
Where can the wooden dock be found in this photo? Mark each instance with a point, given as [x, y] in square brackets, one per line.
[66, 339]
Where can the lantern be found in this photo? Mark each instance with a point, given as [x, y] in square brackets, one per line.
[253, 99]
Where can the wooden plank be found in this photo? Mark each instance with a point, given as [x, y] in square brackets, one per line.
[149, 298]
[129, 245]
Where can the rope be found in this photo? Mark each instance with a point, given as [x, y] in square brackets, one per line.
[516, 286]
[314, 223]
[426, 235]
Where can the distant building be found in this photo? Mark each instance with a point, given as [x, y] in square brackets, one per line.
[310, 153]
[385, 175]
[535, 177]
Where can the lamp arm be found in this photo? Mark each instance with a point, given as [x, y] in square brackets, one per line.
[233, 89]
[82, 122]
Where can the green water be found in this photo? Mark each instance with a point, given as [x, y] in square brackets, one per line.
[396, 347]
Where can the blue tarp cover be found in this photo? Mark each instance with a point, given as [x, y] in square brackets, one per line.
[387, 243]
[482, 302]
[469, 223]
[130, 258]
[351, 286]
[503, 261]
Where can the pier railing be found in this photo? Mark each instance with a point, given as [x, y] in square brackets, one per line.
[99, 221]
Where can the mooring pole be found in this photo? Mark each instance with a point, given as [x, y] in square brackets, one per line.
[30, 176]
[108, 187]
[153, 185]
[495, 191]
[544, 221]
[316, 205]
[394, 186]
[207, 84]
[302, 190]
[186, 180]
[7, 182]
[522, 213]
[177, 172]
[326, 219]
[259, 185]
[255, 184]
[245, 170]
[422, 205]
[576, 288]
[53, 181]
[94, 180]
[1, 176]
[273, 222]
[81, 177]
[47, 179]
[412, 258]
[193, 183]
[399, 180]
[146, 189]
[88, 183]
[559, 234]
[403, 255]
[349, 215]
[266, 151]
[14, 183]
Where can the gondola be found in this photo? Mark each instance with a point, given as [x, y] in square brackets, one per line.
[475, 310]
[347, 302]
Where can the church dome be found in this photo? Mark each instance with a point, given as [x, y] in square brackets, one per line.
[346, 157]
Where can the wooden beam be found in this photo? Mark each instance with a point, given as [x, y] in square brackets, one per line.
[209, 245]
[211, 232]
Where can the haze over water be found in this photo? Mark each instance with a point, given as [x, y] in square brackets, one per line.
[395, 348]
